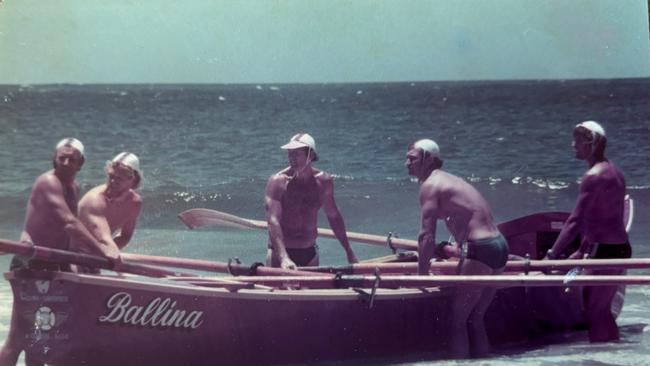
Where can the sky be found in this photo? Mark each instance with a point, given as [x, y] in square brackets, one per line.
[320, 41]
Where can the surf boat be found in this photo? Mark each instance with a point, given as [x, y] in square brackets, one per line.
[184, 319]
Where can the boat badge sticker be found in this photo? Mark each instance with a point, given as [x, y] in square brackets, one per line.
[158, 313]
[43, 286]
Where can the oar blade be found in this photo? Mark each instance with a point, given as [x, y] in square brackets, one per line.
[200, 217]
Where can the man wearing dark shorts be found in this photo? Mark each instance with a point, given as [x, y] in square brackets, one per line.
[293, 197]
[598, 218]
[444, 196]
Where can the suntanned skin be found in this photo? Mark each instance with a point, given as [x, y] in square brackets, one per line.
[301, 222]
[112, 207]
[467, 216]
[51, 221]
[598, 216]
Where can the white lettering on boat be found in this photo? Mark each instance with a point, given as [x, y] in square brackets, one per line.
[158, 313]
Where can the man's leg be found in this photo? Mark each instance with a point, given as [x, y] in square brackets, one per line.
[598, 308]
[11, 349]
[465, 301]
[478, 334]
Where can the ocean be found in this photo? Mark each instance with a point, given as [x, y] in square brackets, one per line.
[215, 146]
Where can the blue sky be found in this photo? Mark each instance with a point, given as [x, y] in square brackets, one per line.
[275, 41]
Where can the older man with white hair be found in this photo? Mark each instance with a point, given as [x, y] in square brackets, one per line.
[51, 221]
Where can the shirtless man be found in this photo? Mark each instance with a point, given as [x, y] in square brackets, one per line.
[293, 197]
[468, 218]
[113, 206]
[598, 217]
[51, 221]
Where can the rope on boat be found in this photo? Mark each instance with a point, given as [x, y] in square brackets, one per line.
[230, 260]
[389, 242]
[369, 298]
[252, 271]
[527, 264]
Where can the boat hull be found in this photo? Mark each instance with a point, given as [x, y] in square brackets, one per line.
[74, 319]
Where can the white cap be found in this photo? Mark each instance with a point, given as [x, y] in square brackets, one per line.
[128, 159]
[592, 126]
[428, 146]
[301, 140]
[71, 142]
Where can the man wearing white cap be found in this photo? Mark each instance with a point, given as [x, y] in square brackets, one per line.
[598, 218]
[293, 197]
[469, 219]
[51, 221]
[113, 207]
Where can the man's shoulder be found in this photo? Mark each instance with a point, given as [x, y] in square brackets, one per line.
[135, 198]
[602, 173]
[47, 180]
[93, 198]
[279, 177]
[321, 175]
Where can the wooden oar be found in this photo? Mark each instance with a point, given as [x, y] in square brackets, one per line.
[199, 217]
[64, 256]
[511, 266]
[392, 281]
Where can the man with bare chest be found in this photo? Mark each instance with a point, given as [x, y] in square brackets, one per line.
[113, 207]
[293, 198]
[598, 218]
[51, 221]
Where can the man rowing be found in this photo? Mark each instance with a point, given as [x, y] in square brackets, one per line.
[51, 221]
[468, 218]
[598, 217]
[293, 198]
[113, 207]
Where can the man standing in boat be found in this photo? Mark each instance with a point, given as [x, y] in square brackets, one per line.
[482, 249]
[293, 197]
[598, 217]
[51, 221]
[113, 207]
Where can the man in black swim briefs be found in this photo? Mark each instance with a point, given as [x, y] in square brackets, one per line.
[293, 197]
[469, 219]
[598, 218]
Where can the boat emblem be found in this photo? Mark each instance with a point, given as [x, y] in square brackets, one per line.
[44, 318]
[43, 286]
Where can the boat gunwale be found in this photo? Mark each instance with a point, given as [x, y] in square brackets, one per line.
[162, 285]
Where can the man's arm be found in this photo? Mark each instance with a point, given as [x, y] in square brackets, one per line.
[126, 231]
[53, 194]
[427, 236]
[575, 223]
[335, 218]
[273, 195]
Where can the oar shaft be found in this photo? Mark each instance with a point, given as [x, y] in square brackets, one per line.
[432, 281]
[198, 217]
[64, 256]
[212, 266]
[511, 266]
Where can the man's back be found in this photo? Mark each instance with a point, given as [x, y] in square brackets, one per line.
[466, 213]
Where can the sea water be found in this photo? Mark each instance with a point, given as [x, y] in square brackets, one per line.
[215, 146]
